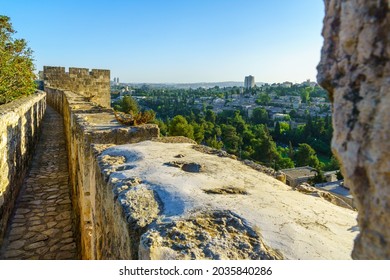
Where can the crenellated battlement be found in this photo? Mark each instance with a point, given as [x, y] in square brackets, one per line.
[94, 84]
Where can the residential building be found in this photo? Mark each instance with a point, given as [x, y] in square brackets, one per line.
[249, 82]
[298, 175]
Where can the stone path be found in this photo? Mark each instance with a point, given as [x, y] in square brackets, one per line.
[41, 226]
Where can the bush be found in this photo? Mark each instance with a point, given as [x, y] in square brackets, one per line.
[135, 119]
[16, 64]
[127, 105]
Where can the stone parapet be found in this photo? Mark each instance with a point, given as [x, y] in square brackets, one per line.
[87, 124]
[20, 122]
[94, 84]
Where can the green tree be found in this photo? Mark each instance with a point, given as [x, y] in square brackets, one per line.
[259, 115]
[284, 127]
[306, 155]
[214, 143]
[333, 164]
[128, 105]
[263, 99]
[277, 131]
[264, 147]
[210, 116]
[180, 127]
[16, 64]
[163, 127]
[305, 95]
[230, 138]
[239, 123]
[198, 132]
[283, 163]
[291, 151]
[319, 177]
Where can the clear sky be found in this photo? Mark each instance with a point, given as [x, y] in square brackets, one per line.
[175, 41]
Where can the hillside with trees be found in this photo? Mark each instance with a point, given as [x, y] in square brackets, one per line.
[272, 142]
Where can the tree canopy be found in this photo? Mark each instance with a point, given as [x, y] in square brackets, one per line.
[128, 105]
[259, 116]
[180, 127]
[16, 64]
[306, 155]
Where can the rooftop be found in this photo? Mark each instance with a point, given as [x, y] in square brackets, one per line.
[336, 187]
[304, 171]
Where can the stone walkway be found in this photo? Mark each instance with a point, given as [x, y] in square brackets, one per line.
[41, 226]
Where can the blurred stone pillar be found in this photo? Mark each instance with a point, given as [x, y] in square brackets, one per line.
[355, 70]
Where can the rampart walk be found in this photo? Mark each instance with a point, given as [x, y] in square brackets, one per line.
[103, 231]
[20, 123]
[41, 226]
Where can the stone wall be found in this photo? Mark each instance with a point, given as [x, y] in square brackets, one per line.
[136, 199]
[20, 122]
[104, 232]
[94, 84]
[355, 69]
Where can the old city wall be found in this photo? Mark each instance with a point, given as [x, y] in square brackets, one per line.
[20, 122]
[103, 229]
[355, 69]
[94, 84]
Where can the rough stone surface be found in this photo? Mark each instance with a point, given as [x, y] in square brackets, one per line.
[42, 217]
[355, 69]
[20, 123]
[255, 166]
[140, 206]
[212, 235]
[153, 207]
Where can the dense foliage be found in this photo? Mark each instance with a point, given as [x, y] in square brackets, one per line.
[16, 64]
[259, 138]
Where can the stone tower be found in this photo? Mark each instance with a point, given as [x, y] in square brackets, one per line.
[94, 84]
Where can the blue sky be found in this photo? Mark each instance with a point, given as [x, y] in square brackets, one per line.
[175, 41]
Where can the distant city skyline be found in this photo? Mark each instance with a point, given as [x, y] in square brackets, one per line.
[175, 41]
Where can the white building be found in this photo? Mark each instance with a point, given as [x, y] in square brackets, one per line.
[249, 82]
